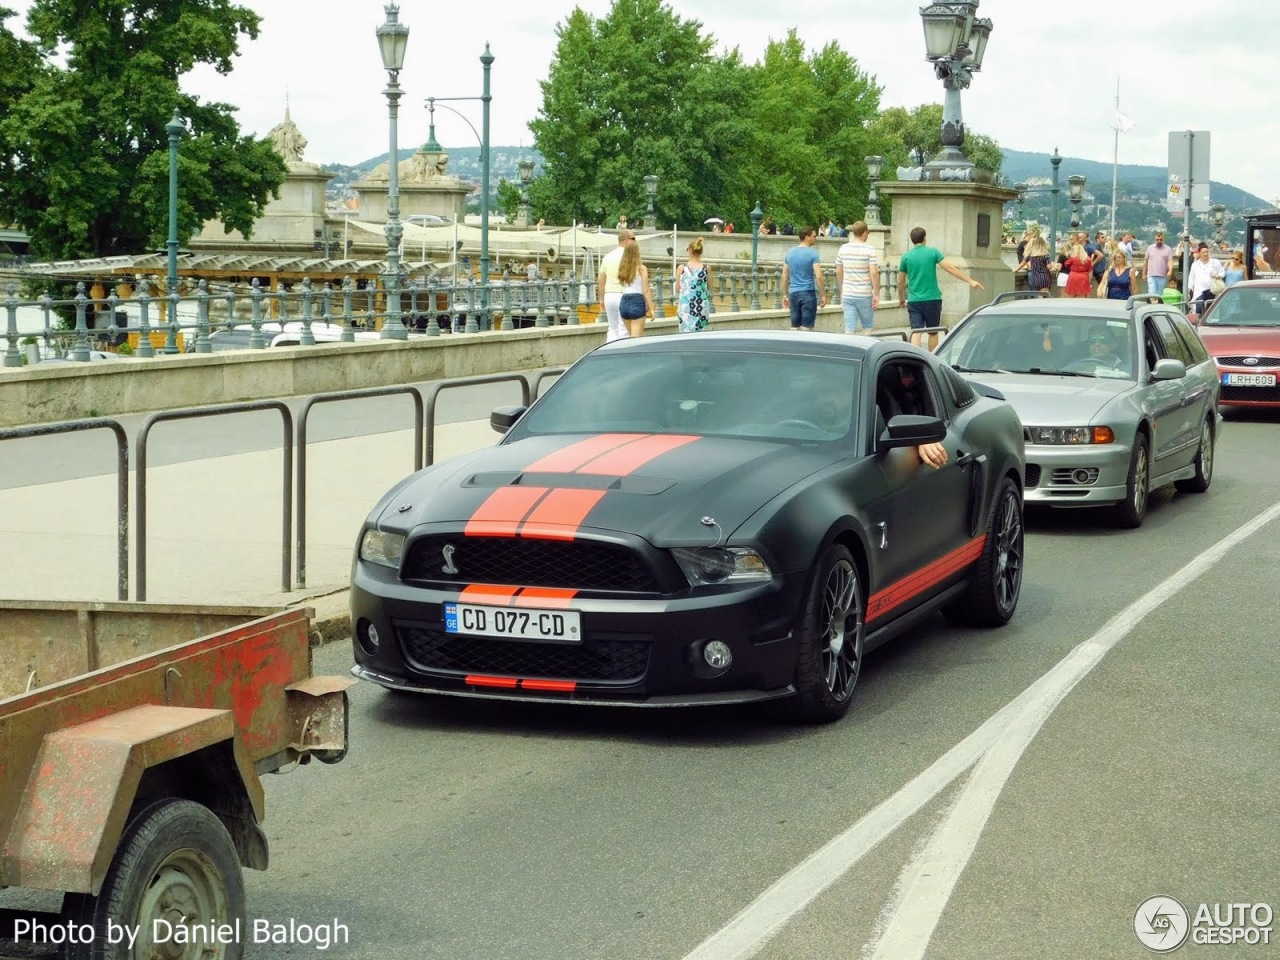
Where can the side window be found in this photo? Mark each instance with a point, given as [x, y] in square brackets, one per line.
[905, 387]
[1151, 345]
[1190, 339]
[1173, 345]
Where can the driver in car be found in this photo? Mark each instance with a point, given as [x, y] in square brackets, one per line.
[1102, 348]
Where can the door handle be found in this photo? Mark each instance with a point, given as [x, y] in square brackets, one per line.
[964, 459]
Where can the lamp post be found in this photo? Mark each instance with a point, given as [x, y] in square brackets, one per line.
[486, 61]
[651, 189]
[526, 178]
[1055, 161]
[174, 129]
[955, 42]
[1021, 187]
[873, 196]
[756, 216]
[1075, 188]
[393, 37]
[1219, 220]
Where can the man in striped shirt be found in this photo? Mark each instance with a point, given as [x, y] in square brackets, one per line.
[858, 276]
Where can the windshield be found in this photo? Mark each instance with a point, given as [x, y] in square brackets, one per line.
[712, 393]
[1245, 307]
[1080, 346]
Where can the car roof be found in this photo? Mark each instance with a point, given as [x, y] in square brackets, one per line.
[782, 341]
[1060, 307]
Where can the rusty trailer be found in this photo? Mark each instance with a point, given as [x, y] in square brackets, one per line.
[133, 737]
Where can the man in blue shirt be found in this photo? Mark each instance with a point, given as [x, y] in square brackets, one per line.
[802, 281]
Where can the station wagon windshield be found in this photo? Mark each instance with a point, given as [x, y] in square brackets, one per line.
[1079, 346]
[1246, 307]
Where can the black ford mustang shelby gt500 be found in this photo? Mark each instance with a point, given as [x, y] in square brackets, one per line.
[679, 520]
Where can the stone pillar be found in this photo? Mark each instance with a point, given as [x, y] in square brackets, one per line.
[964, 220]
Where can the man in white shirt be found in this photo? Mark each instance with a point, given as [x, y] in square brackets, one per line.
[1201, 276]
[858, 277]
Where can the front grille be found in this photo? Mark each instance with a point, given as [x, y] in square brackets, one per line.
[577, 564]
[1240, 361]
[1066, 476]
[600, 658]
[1033, 475]
[1256, 394]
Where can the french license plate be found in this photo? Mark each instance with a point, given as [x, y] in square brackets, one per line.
[548, 626]
[1249, 379]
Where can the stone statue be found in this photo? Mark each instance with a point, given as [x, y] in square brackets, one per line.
[288, 139]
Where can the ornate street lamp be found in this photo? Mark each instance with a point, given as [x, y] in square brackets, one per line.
[756, 216]
[526, 178]
[1219, 219]
[393, 37]
[873, 197]
[1075, 187]
[175, 130]
[1021, 187]
[651, 188]
[956, 42]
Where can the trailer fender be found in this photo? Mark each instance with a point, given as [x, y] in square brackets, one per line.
[76, 804]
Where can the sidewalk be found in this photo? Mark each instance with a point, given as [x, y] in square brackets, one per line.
[214, 526]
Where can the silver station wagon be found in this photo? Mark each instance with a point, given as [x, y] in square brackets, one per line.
[1117, 398]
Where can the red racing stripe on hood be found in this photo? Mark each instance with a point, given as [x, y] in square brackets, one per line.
[570, 458]
[502, 511]
[631, 457]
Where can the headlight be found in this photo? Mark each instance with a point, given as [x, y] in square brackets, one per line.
[1070, 436]
[382, 548]
[710, 565]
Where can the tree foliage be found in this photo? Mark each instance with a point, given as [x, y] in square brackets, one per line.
[901, 131]
[84, 156]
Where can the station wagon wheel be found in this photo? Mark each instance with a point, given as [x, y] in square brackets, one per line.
[175, 863]
[996, 581]
[830, 638]
[1203, 462]
[1132, 510]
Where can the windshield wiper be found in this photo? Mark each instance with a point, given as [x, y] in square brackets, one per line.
[960, 369]
[1040, 371]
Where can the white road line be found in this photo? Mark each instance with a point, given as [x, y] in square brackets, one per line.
[998, 740]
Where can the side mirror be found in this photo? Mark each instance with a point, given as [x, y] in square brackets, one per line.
[906, 430]
[1169, 369]
[503, 419]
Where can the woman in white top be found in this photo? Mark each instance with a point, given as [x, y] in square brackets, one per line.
[634, 278]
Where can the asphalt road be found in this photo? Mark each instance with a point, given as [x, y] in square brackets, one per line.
[479, 831]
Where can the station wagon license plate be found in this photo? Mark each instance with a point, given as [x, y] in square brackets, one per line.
[1249, 379]
[548, 626]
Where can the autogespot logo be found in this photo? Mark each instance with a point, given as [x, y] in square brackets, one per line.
[1161, 924]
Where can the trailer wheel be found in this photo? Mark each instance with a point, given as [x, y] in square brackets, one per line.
[176, 864]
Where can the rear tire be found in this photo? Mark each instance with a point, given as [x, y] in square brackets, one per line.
[175, 859]
[1203, 462]
[830, 635]
[1132, 510]
[996, 582]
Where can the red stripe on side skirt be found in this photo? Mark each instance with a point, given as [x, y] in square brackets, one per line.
[912, 585]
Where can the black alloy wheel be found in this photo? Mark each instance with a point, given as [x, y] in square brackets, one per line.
[996, 582]
[831, 634]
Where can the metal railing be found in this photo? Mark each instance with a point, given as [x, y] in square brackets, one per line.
[434, 391]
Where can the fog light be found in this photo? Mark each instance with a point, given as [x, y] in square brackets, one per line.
[717, 654]
[367, 636]
[1080, 476]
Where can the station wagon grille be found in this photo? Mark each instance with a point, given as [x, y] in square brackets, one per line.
[600, 658]
[576, 564]
[1256, 394]
[1240, 361]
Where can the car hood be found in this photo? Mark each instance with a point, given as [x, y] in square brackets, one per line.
[658, 486]
[1241, 341]
[1049, 401]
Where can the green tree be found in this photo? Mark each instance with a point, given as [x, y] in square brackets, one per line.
[898, 131]
[84, 167]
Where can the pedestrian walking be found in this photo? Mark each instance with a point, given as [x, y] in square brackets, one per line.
[693, 289]
[858, 277]
[918, 288]
[633, 277]
[1155, 266]
[1119, 282]
[1234, 270]
[1201, 275]
[610, 287]
[802, 281]
[1080, 279]
[1035, 260]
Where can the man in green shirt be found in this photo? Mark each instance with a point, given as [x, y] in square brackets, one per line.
[918, 288]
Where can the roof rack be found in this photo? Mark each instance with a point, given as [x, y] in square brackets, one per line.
[1019, 295]
[1136, 299]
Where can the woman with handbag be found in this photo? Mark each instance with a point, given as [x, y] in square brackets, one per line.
[636, 303]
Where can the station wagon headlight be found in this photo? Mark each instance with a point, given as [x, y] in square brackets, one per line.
[384, 549]
[1070, 436]
[713, 565]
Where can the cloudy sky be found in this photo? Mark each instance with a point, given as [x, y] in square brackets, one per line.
[1049, 78]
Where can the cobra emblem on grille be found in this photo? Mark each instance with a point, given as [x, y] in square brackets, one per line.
[1251, 361]
[448, 550]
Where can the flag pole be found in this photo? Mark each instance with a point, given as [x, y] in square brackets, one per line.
[1115, 160]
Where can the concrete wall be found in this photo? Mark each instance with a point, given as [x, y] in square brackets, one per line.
[72, 391]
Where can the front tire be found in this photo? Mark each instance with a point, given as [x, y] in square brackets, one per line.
[175, 863]
[831, 634]
[996, 582]
[1203, 463]
[1132, 510]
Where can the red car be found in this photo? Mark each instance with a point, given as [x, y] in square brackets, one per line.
[1242, 332]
